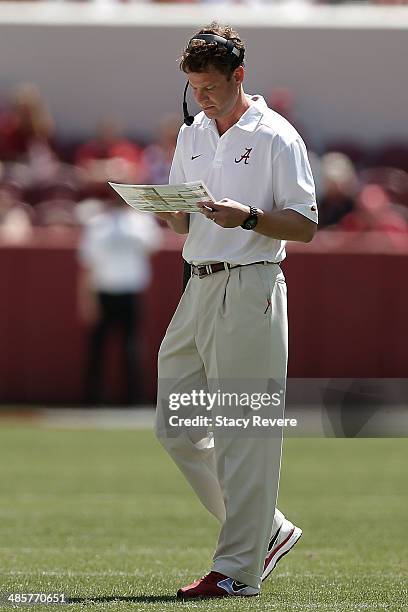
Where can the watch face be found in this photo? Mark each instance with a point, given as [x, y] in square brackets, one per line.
[250, 223]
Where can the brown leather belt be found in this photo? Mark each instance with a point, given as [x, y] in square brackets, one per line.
[205, 270]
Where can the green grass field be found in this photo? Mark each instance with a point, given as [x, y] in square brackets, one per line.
[105, 517]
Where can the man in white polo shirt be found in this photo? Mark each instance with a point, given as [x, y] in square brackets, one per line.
[229, 332]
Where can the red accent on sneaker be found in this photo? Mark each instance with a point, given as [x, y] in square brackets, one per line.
[203, 588]
[275, 550]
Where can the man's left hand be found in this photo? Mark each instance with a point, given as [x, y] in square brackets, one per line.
[226, 212]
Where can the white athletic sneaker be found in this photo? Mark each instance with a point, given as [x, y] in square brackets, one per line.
[281, 543]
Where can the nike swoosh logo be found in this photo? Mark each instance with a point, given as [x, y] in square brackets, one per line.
[195, 156]
[272, 542]
[237, 586]
[231, 586]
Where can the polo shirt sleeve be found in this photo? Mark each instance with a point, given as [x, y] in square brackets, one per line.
[293, 184]
[177, 174]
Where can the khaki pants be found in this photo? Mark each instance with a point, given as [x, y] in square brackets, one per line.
[229, 331]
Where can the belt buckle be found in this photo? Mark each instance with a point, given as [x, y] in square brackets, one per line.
[202, 271]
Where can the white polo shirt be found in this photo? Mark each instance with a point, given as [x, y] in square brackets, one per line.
[260, 161]
[115, 247]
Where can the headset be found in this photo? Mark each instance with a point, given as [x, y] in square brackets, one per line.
[237, 58]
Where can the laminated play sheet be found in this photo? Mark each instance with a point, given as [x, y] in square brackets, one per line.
[165, 198]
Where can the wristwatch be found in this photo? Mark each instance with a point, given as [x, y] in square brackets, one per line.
[251, 222]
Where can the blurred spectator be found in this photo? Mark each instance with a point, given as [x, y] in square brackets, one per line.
[25, 125]
[110, 157]
[281, 101]
[89, 208]
[339, 188]
[26, 146]
[58, 209]
[158, 156]
[374, 212]
[15, 216]
[114, 255]
[394, 181]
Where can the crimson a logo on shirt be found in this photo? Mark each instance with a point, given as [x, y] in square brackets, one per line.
[244, 156]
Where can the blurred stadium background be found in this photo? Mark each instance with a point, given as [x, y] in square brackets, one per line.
[89, 92]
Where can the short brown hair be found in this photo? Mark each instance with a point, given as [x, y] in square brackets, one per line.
[199, 55]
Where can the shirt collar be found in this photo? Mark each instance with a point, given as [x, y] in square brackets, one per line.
[249, 120]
